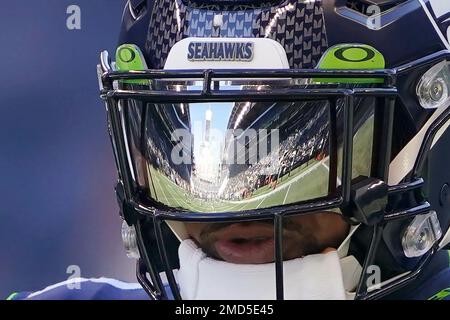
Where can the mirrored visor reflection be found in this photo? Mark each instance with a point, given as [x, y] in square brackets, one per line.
[234, 156]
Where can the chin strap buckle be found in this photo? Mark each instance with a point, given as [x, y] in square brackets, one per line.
[369, 199]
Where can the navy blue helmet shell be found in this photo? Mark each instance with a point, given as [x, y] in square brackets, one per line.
[390, 187]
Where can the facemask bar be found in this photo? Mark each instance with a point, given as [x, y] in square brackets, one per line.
[415, 184]
[383, 135]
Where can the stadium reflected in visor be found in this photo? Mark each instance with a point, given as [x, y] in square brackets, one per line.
[237, 156]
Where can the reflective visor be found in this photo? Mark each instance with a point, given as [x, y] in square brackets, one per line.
[211, 157]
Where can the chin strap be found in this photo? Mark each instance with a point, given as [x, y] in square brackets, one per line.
[315, 277]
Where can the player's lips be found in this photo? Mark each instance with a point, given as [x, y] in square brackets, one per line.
[240, 243]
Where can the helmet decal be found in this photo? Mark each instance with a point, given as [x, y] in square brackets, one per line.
[438, 12]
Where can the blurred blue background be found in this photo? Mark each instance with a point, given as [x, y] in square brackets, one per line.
[56, 167]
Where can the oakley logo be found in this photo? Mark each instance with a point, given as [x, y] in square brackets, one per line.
[346, 54]
[126, 54]
[220, 51]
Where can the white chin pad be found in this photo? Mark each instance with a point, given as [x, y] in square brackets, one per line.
[315, 277]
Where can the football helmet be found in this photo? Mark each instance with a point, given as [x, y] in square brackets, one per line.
[232, 111]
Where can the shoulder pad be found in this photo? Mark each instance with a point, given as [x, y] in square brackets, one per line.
[87, 289]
